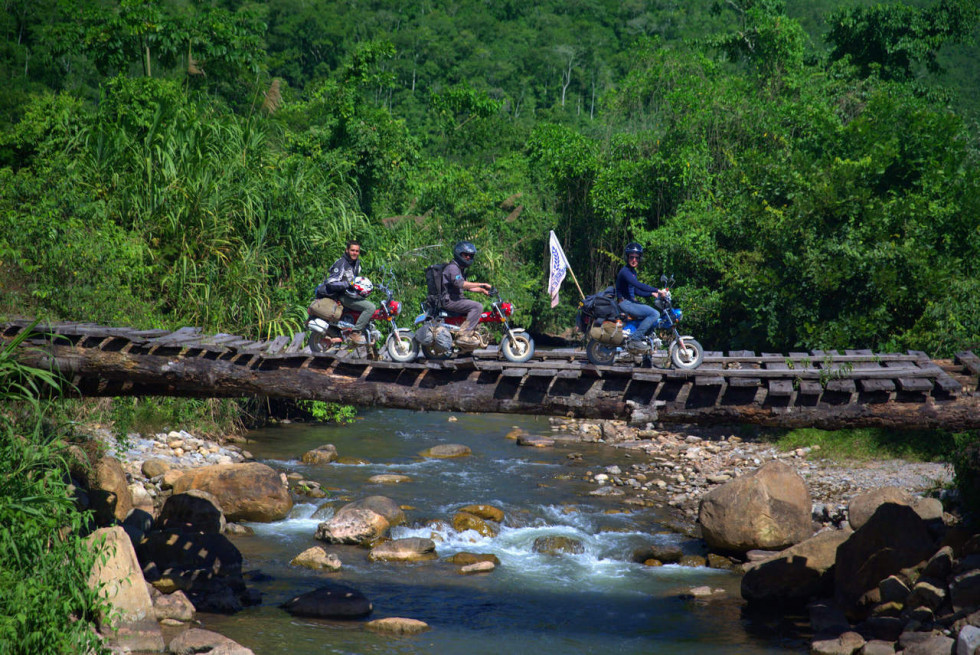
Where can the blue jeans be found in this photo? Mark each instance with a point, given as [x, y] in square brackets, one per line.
[638, 310]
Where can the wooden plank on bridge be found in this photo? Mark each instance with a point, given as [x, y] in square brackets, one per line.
[969, 361]
[871, 386]
[181, 336]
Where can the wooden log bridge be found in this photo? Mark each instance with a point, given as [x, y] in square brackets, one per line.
[824, 389]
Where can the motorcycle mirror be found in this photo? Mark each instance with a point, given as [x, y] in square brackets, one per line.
[663, 278]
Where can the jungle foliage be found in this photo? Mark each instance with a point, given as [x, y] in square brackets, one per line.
[810, 179]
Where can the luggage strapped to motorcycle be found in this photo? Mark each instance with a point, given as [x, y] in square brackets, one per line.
[601, 306]
[433, 280]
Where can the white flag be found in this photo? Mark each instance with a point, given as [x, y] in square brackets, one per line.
[558, 268]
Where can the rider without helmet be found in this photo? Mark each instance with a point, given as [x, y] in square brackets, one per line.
[463, 253]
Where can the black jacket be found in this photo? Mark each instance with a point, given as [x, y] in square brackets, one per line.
[340, 276]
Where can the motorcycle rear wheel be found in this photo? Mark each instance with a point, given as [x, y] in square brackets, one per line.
[321, 342]
[519, 349]
[600, 354]
[401, 347]
[688, 357]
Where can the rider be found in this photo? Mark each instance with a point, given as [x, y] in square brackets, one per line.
[628, 287]
[339, 285]
[454, 283]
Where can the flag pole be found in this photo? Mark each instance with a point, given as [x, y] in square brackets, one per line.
[574, 278]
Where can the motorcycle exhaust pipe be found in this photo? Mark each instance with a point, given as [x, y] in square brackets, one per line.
[318, 325]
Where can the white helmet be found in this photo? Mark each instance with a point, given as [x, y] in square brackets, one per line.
[362, 286]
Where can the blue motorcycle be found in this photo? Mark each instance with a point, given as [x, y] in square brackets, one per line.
[609, 340]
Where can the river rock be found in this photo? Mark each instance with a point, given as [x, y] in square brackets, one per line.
[246, 492]
[318, 559]
[411, 549]
[174, 606]
[968, 640]
[330, 601]
[195, 640]
[766, 509]
[382, 505]
[322, 455]
[932, 644]
[389, 478]
[354, 526]
[191, 511]
[862, 506]
[155, 466]
[130, 623]
[443, 451]
[663, 553]
[109, 493]
[477, 567]
[397, 626]
[556, 545]
[485, 512]
[463, 521]
[846, 644]
[894, 538]
[878, 647]
[465, 559]
[534, 441]
[797, 573]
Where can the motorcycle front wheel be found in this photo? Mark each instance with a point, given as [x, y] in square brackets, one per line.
[401, 347]
[600, 354]
[687, 357]
[518, 349]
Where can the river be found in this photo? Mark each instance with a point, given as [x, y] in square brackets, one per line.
[595, 602]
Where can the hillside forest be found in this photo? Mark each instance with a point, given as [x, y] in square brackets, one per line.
[810, 178]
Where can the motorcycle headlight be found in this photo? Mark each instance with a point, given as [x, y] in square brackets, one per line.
[394, 307]
[507, 307]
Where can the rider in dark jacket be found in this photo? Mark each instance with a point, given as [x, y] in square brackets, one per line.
[628, 287]
[339, 285]
[454, 283]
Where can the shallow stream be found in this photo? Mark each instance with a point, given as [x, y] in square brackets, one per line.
[595, 602]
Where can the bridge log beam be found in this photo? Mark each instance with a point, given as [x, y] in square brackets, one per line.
[429, 387]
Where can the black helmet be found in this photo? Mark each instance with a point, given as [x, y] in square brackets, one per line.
[632, 249]
[463, 253]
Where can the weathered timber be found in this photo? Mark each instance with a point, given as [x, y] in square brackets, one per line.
[598, 392]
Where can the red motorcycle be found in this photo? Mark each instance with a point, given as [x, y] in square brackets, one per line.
[335, 328]
[436, 331]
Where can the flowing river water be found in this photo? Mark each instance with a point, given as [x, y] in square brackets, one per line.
[599, 601]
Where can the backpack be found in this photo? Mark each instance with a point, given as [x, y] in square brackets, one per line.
[601, 306]
[433, 280]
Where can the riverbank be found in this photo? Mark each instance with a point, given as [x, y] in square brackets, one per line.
[673, 469]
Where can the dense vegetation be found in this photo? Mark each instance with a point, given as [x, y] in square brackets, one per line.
[168, 162]
[45, 606]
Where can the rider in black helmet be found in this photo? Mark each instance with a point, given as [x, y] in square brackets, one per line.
[454, 283]
[628, 287]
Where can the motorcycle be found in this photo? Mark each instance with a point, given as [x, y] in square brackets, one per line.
[609, 340]
[436, 331]
[336, 330]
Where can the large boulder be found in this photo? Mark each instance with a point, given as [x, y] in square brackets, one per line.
[246, 492]
[797, 573]
[894, 538]
[354, 526]
[109, 493]
[191, 511]
[322, 455]
[768, 509]
[206, 566]
[382, 505]
[862, 506]
[331, 601]
[131, 622]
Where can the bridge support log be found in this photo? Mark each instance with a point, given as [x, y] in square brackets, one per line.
[468, 389]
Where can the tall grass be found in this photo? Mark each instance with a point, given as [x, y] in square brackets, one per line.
[46, 605]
